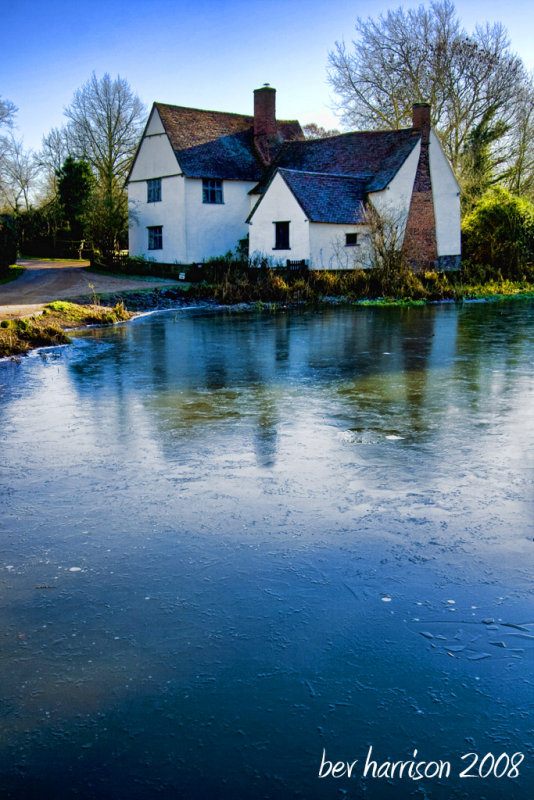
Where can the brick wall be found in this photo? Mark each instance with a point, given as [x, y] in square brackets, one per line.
[420, 243]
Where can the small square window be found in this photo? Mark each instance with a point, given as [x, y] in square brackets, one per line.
[351, 239]
[153, 191]
[155, 237]
[212, 191]
[281, 236]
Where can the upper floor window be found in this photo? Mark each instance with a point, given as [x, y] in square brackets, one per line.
[281, 236]
[155, 237]
[351, 239]
[212, 191]
[153, 191]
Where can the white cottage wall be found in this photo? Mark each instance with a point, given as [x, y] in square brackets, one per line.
[394, 200]
[329, 251]
[279, 205]
[169, 213]
[156, 159]
[215, 228]
[155, 125]
[446, 193]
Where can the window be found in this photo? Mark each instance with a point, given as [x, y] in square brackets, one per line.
[281, 236]
[153, 191]
[212, 191]
[351, 239]
[155, 237]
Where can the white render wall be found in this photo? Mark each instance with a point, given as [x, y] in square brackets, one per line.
[446, 200]
[329, 251]
[155, 159]
[279, 205]
[394, 200]
[192, 230]
[215, 228]
[169, 213]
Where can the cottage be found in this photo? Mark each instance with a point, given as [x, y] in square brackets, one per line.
[201, 180]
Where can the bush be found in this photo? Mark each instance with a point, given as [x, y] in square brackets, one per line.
[498, 237]
[8, 242]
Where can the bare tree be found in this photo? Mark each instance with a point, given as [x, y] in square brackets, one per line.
[105, 124]
[7, 118]
[423, 55]
[519, 176]
[20, 169]
[7, 113]
[54, 151]
[383, 246]
[314, 131]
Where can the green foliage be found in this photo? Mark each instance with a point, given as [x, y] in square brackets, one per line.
[498, 235]
[8, 243]
[42, 232]
[478, 162]
[107, 220]
[75, 185]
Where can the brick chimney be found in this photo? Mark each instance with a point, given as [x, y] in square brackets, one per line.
[265, 130]
[265, 111]
[421, 120]
[420, 241]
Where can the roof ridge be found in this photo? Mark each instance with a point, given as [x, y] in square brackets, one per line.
[205, 110]
[357, 133]
[223, 113]
[363, 177]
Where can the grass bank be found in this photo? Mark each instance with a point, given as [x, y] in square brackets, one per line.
[18, 336]
[370, 287]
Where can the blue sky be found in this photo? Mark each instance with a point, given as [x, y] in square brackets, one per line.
[199, 53]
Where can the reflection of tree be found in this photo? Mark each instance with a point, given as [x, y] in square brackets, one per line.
[388, 394]
[377, 370]
[491, 342]
[265, 430]
[416, 346]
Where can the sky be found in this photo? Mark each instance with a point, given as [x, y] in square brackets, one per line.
[202, 53]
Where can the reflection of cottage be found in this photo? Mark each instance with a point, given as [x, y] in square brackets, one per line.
[202, 180]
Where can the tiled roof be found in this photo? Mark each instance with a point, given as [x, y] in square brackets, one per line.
[375, 156]
[327, 198]
[214, 144]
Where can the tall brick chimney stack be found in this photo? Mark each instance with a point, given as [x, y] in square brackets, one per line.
[265, 111]
[420, 239]
[265, 130]
[421, 120]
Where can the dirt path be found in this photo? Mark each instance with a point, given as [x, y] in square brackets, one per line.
[45, 281]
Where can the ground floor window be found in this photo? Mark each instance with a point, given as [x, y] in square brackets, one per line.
[155, 237]
[281, 236]
[351, 239]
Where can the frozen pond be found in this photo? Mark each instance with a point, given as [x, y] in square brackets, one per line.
[229, 542]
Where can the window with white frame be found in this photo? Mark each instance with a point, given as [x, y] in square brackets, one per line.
[153, 191]
[212, 191]
[155, 237]
[351, 239]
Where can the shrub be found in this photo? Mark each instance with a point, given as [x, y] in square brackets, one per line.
[498, 236]
[8, 242]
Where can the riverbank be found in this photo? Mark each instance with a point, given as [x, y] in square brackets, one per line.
[48, 328]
